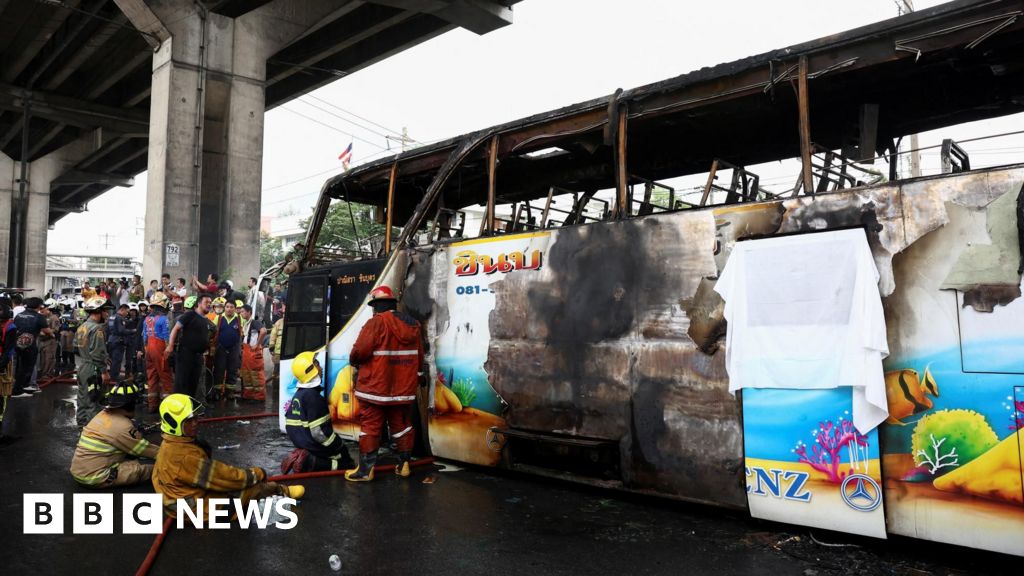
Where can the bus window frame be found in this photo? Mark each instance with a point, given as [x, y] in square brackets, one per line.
[293, 310]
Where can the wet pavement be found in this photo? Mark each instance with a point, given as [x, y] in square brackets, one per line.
[444, 520]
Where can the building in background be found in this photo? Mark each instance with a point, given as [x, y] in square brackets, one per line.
[65, 272]
[286, 228]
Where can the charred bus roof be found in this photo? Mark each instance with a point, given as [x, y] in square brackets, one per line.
[865, 89]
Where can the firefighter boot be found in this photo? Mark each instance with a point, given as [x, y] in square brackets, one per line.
[404, 468]
[364, 473]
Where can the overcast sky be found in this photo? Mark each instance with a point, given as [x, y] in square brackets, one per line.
[556, 52]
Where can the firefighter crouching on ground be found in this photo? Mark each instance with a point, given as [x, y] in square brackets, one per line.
[186, 469]
[389, 355]
[91, 347]
[308, 423]
[156, 330]
[101, 458]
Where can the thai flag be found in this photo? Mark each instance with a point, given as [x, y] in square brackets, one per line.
[346, 156]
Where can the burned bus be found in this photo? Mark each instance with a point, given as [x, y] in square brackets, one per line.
[571, 296]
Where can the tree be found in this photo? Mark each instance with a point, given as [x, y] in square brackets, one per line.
[336, 231]
[271, 251]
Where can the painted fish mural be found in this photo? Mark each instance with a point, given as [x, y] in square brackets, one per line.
[908, 394]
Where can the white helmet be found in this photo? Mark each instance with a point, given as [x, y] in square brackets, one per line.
[50, 303]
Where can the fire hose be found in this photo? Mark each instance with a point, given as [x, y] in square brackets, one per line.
[154, 549]
[63, 378]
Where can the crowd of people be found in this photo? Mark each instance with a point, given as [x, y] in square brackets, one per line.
[175, 345]
[200, 338]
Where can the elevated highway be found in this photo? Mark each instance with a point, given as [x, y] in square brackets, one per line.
[93, 92]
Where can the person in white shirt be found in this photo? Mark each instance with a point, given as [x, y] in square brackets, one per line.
[123, 293]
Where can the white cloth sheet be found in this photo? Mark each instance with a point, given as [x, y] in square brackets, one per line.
[804, 312]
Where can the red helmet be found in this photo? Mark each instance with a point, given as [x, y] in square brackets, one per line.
[382, 293]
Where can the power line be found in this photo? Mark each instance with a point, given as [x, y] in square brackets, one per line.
[303, 179]
[343, 119]
[335, 128]
[364, 119]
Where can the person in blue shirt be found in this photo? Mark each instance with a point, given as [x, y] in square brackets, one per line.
[228, 358]
[156, 331]
[118, 341]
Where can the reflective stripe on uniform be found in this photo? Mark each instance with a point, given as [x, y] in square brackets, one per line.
[97, 478]
[402, 433]
[376, 398]
[203, 474]
[303, 424]
[140, 447]
[327, 441]
[395, 352]
[94, 445]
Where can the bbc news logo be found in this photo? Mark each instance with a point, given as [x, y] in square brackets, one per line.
[143, 513]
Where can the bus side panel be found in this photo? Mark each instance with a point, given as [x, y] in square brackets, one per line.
[582, 333]
[951, 449]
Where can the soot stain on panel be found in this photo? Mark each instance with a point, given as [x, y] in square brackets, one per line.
[599, 273]
[984, 298]
[819, 217]
[598, 276]
[705, 309]
[416, 297]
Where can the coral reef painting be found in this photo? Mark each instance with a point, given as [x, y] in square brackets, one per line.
[831, 440]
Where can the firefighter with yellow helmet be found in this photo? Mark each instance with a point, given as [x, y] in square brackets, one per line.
[107, 451]
[185, 468]
[308, 423]
[91, 361]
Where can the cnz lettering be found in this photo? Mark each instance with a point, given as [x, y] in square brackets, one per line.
[788, 485]
[469, 263]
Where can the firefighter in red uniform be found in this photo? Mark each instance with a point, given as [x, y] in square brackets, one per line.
[389, 356]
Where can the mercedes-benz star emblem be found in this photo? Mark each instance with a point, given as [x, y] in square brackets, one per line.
[861, 492]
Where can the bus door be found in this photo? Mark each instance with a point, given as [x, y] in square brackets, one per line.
[351, 283]
[305, 328]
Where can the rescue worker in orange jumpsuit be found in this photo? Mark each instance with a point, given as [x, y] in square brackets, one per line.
[155, 333]
[254, 384]
[389, 356]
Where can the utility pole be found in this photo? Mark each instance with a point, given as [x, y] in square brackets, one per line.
[403, 139]
[906, 7]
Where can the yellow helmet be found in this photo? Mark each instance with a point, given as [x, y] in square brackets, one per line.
[304, 367]
[97, 303]
[158, 299]
[174, 410]
[122, 395]
[219, 301]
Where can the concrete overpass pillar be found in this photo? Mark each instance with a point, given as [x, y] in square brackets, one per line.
[206, 131]
[7, 192]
